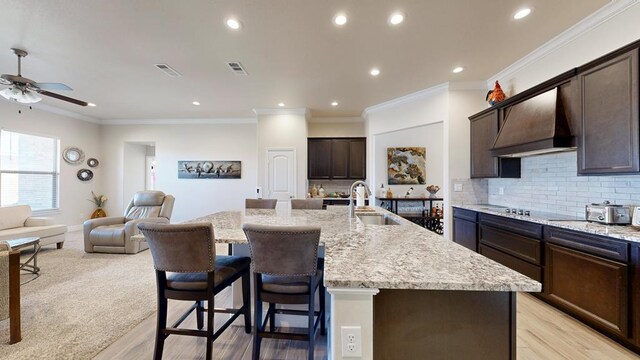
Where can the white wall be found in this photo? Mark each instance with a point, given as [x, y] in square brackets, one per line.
[283, 131]
[336, 127]
[427, 136]
[74, 207]
[185, 142]
[134, 171]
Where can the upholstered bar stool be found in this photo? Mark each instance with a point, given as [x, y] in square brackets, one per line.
[260, 203]
[292, 278]
[188, 269]
[309, 204]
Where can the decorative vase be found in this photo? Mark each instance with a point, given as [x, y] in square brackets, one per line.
[98, 213]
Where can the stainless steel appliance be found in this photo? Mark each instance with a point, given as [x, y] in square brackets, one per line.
[635, 219]
[607, 213]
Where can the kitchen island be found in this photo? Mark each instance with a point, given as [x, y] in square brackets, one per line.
[410, 292]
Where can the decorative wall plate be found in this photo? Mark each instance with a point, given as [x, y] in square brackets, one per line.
[93, 162]
[73, 155]
[85, 174]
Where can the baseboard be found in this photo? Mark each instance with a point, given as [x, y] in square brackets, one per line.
[74, 227]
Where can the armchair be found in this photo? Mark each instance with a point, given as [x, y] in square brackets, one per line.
[113, 234]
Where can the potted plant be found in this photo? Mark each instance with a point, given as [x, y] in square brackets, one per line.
[99, 200]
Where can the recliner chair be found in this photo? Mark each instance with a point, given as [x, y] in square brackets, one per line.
[113, 234]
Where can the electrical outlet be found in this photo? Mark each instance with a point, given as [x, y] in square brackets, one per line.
[501, 190]
[457, 187]
[351, 341]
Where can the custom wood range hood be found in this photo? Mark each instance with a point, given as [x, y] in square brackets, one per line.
[538, 125]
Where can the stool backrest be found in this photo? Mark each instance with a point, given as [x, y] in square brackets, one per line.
[310, 204]
[182, 248]
[260, 203]
[283, 250]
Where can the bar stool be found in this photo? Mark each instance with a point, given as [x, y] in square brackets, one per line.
[309, 204]
[260, 203]
[188, 269]
[292, 278]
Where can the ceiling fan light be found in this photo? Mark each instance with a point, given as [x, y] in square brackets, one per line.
[17, 95]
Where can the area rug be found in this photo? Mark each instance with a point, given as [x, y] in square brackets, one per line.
[81, 303]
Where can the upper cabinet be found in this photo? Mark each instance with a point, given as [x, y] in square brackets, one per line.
[608, 116]
[484, 129]
[337, 158]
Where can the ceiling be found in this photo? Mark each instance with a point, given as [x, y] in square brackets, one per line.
[291, 49]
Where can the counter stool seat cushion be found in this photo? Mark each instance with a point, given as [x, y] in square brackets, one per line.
[226, 267]
[287, 284]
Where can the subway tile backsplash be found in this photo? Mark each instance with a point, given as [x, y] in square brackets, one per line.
[549, 183]
[474, 192]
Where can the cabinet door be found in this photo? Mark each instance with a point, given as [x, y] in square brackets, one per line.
[357, 159]
[465, 233]
[635, 293]
[483, 133]
[608, 117]
[319, 158]
[340, 158]
[589, 287]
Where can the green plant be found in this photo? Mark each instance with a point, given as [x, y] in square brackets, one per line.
[99, 200]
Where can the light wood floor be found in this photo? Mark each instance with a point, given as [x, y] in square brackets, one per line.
[544, 333]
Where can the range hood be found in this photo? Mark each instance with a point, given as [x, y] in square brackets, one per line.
[539, 125]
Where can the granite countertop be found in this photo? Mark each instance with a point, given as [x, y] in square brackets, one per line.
[627, 232]
[404, 256]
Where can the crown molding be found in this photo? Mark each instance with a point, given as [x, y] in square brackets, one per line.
[63, 112]
[280, 111]
[405, 99]
[592, 21]
[220, 121]
[337, 120]
[468, 85]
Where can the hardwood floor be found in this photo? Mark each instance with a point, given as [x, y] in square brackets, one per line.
[544, 333]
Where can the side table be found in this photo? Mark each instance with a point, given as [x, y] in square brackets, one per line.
[31, 264]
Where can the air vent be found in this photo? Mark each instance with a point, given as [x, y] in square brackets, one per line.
[237, 68]
[168, 70]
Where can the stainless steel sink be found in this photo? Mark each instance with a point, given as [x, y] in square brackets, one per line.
[376, 219]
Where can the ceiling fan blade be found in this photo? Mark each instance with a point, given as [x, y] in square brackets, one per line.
[63, 98]
[52, 86]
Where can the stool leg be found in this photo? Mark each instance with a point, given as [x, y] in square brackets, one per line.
[272, 317]
[311, 315]
[199, 315]
[160, 327]
[323, 310]
[210, 330]
[257, 318]
[246, 301]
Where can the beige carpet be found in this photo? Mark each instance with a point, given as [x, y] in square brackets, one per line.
[81, 303]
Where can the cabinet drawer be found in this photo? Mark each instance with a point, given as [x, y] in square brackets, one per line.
[522, 247]
[592, 244]
[516, 226]
[465, 214]
[523, 267]
[590, 287]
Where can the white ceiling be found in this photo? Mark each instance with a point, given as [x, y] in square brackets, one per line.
[105, 50]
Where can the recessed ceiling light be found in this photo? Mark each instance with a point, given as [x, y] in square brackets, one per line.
[396, 18]
[335, 103]
[458, 69]
[374, 72]
[196, 103]
[522, 13]
[233, 24]
[91, 104]
[340, 19]
[281, 104]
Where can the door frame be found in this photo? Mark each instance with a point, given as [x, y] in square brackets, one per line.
[295, 168]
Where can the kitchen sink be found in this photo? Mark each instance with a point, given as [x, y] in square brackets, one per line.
[377, 219]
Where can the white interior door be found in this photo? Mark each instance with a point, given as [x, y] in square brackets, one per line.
[281, 176]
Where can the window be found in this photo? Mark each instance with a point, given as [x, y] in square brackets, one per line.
[29, 170]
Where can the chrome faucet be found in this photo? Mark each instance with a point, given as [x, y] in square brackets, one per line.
[351, 206]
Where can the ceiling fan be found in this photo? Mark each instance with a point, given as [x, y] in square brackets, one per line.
[27, 91]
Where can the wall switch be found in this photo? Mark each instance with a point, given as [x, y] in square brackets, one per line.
[351, 341]
[457, 187]
[259, 192]
[501, 190]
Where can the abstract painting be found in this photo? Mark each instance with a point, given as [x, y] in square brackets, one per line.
[209, 169]
[406, 165]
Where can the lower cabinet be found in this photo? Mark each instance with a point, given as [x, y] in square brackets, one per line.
[589, 287]
[465, 233]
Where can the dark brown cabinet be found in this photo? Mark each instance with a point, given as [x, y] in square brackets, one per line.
[608, 116]
[336, 158]
[589, 287]
[465, 229]
[484, 129]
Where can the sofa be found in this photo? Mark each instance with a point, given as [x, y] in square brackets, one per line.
[113, 234]
[16, 222]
